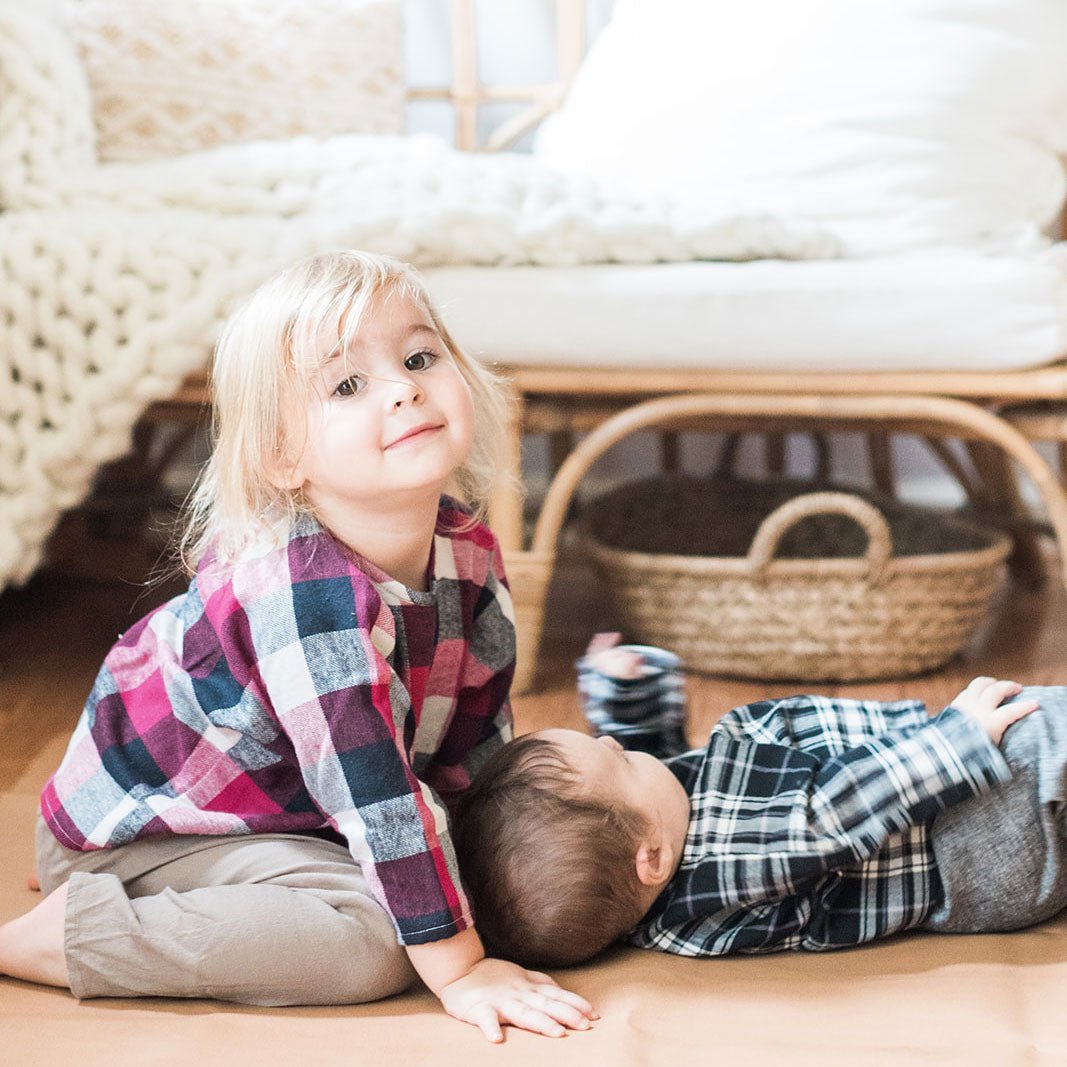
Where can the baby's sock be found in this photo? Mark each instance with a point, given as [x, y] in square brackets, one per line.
[636, 694]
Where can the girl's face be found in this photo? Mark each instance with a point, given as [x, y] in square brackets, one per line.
[388, 420]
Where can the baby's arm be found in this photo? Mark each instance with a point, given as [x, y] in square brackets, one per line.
[804, 815]
[488, 992]
[983, 701]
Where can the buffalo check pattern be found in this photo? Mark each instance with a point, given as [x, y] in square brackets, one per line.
[809, 825]
[301, 689]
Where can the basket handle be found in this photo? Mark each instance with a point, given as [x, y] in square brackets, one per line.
[774, 527]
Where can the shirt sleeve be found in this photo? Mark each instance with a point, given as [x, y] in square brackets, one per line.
[818, 815]
[324, 668]
[482, 720]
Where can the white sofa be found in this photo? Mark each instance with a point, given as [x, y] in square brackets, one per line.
[926, 138]
[895, 150]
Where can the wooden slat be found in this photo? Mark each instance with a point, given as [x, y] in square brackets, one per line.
[570, 38]
[1048, 382]
[466, 93]
[465, 73]
[485, 94]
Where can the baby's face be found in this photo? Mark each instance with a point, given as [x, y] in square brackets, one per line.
[640, 781]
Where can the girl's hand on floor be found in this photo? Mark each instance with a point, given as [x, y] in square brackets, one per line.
[983, 701]
[494, 992]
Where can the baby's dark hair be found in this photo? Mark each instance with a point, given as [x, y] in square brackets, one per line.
[550, 871]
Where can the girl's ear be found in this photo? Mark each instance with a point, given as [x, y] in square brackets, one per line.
[284, 473]
[284, 465]
[654, 863]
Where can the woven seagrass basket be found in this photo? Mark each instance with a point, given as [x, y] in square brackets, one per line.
[752, 580]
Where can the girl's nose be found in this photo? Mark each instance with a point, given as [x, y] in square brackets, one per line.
[404, 391]
[604, 739]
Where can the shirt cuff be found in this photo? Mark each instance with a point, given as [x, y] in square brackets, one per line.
[425, 935]
[983, 762]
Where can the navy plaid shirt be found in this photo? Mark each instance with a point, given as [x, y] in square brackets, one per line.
[809, 825]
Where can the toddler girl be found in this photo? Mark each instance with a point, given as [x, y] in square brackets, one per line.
[254, 805]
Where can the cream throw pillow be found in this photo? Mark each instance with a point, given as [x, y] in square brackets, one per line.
[895, 124]
[171, 77]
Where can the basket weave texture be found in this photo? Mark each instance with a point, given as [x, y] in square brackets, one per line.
[755, 581]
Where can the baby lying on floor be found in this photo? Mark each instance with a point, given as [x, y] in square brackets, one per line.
[804, 823]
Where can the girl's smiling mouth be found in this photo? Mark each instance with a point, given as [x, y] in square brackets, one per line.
[415, 433]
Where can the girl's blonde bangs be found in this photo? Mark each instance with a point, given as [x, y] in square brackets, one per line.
[267, 355]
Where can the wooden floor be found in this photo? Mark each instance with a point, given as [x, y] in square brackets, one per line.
[1006, 993]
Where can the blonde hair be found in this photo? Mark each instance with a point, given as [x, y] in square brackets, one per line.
[264, 358]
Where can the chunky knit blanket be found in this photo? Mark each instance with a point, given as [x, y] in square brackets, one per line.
[114, 278]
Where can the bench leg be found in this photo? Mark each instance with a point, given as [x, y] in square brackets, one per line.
[999, 491]
[529, 572]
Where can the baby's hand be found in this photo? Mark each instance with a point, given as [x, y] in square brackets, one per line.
[983, 701]
[495, 992]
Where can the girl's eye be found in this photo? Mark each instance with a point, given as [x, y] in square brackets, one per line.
[420, 361]
[350, 386]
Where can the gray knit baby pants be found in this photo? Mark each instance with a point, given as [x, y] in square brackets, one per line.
[1001, 856]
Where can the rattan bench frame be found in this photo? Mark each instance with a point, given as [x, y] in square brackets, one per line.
[995, 412]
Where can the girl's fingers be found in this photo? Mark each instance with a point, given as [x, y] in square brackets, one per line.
[567, 997]
[486, 1018]
[534, 1019]
[558, 1009]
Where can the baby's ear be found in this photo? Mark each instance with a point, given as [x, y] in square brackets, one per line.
[654, 863]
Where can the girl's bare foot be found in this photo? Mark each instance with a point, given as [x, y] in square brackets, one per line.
[31, 946]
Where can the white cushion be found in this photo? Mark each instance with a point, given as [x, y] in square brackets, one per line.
[895, 123]
[169, 78]
[952, 311]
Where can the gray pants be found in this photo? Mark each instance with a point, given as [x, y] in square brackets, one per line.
[266, 919]
[1001, 856]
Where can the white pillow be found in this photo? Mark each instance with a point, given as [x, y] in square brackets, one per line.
[896, 124]
[169, 77]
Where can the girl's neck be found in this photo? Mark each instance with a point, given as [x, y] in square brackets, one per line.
[398, 541]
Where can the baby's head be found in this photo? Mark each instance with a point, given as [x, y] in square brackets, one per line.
[564, 842]
[272, 378]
